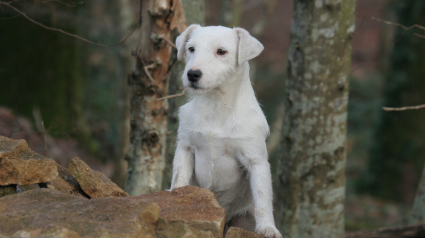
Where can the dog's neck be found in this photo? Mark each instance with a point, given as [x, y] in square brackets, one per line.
[230, 95]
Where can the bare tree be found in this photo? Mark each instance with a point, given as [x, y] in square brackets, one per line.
[148, 82]
[311, 170]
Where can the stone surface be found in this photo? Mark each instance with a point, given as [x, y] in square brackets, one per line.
[93, 183]
[22, 166]
[48, 213]
[7, 190]
[66, 183]
[187, 212]
[235, 232]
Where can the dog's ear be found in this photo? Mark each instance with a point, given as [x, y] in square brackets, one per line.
[248, 46]
[183, 38]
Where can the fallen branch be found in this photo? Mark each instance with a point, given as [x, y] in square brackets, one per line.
[404, 108]
[64, 32]
[417, 230]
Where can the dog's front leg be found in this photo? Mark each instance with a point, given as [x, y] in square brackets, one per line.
[255, 161]
[182, 167]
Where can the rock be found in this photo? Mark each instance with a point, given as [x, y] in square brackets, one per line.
[7, 190]
[66, 183]
[187, 212]
[49, 213]
[93, 183]
[235, 232]
[22, 166]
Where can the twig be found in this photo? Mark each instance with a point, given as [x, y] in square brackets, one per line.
[402, 26]
[169, 42]
[66, 4]
[422, 36]
[64, 32]
[45, 144]
[145, 68]
[172, 96]
[7, 18]
[403, 108]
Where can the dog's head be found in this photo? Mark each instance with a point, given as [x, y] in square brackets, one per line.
[213, 55]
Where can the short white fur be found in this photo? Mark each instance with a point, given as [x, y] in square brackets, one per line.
[222, 131]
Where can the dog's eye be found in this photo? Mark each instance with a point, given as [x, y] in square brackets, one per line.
[191, 49]
[221, 52]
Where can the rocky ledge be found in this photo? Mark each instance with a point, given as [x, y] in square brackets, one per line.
[40, 198]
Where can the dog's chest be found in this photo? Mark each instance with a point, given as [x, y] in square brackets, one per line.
[216, 165]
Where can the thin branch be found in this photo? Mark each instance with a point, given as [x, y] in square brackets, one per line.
[169, 42]
[172, 96]
[145, 68]
[7, 18]
[421, 36]
[404, 108]
[402, 26]
[64, 3]
[45, 144]
[64, 32]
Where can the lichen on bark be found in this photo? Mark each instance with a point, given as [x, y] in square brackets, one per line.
[311, 169]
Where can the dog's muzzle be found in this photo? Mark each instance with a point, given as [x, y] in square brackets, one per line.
[194, 75]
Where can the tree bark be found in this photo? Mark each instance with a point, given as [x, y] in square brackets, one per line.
[148, 82]
[194, 11]
[311, 170]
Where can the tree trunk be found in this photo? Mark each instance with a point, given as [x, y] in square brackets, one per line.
[311, 170]
[418, 210]
[105, 89]
[148, 82]
[397, 156]
[194, 11]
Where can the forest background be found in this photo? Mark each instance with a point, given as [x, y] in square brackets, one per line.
[69, 98]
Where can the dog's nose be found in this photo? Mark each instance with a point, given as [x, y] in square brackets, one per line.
[194, 75]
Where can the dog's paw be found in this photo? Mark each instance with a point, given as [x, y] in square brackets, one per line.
[269, 231]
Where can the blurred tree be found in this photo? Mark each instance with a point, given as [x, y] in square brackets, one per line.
[194, 11]
[148, 82]
[417, 214]
[105, 90]
[39, 68]
[311, 170]
[398, 155]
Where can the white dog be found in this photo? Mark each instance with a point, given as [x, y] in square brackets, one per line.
[222, 132]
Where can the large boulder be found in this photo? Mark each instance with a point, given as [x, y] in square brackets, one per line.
[22, 166]
[187, 212]
[93, 183]
[50, 213]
